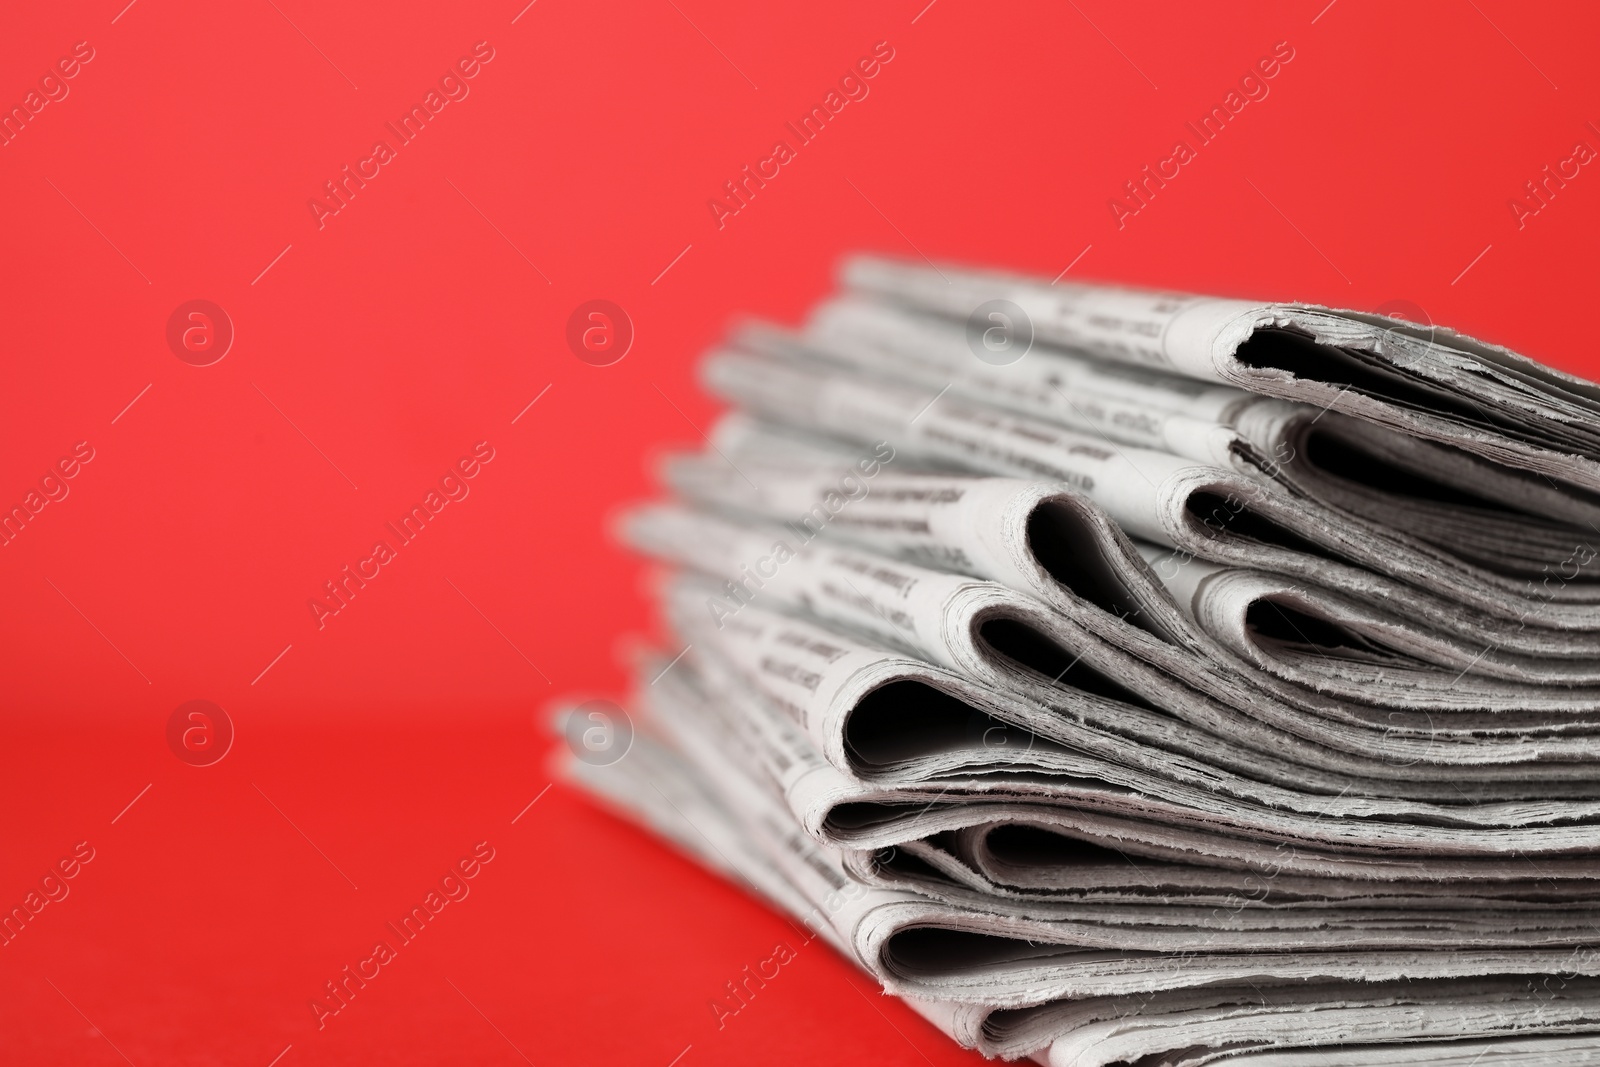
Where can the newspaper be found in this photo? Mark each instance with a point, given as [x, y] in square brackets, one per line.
[1425, 381]
[1106, 981]
[1311, 1026]
[705, 735]
[1060, 547]
[1205, 510]
[1109, 673]
[1362, 466]
[1215, 682]
[914, 752]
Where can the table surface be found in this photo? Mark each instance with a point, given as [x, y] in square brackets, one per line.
[421, 317]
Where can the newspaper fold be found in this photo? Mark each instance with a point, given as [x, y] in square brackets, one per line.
[1422, 380]
[907, 751]
[1107, 983]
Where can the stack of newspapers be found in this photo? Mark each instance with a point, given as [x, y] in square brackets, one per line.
[1134, 677]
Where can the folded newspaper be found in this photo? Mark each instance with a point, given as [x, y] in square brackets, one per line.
[1137, 678]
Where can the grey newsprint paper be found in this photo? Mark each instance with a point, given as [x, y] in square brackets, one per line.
[1125, 677]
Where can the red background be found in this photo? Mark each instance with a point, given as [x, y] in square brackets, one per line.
[379, 348]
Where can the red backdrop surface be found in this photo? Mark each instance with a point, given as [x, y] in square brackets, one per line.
[375, 345]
